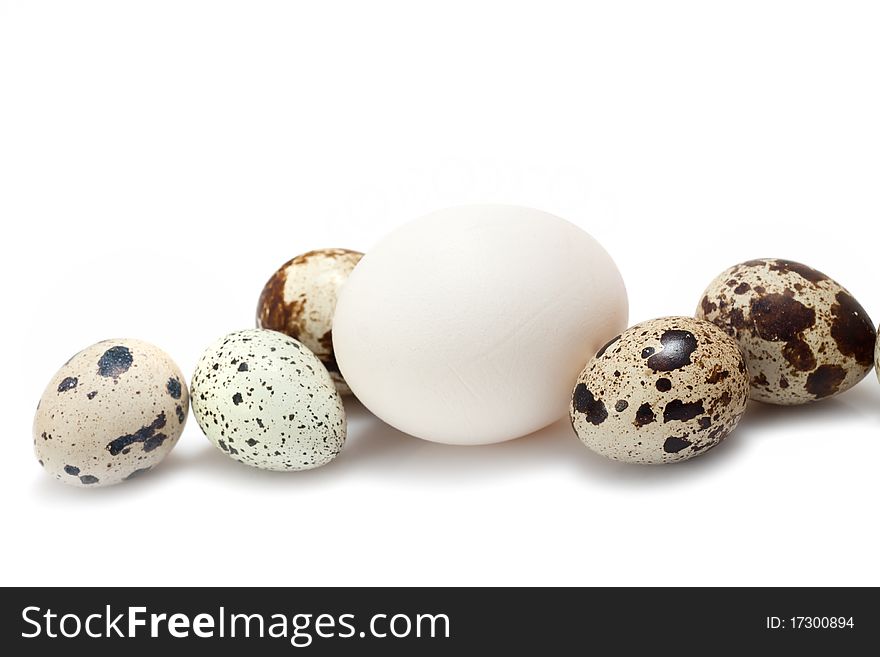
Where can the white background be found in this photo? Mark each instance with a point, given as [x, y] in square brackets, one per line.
[158, 160]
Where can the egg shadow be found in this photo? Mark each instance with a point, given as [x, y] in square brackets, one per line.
[374, 450]
[390, 454]
[57, 492]
[179, 463]
[855, 407]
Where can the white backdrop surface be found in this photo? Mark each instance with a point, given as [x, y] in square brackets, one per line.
[158, 161]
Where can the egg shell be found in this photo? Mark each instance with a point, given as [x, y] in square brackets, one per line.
[804, 336]
[113, 411]
[469, 326]
[267, 401]
[665, 390]
[300, 300]
[877, 357]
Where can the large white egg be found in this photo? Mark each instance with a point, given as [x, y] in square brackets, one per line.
[470, 325]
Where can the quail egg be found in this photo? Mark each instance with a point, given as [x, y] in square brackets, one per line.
[113, 411]
[267, 401]
[665, 390]
[300, 299]
[877, 358]
[804, 336]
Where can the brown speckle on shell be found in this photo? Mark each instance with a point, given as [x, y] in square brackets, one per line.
[852, 330]
[300, 298]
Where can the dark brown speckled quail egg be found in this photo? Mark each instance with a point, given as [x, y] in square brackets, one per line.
[665, 390]
[114, 410]
[803, 335]
[300, 300]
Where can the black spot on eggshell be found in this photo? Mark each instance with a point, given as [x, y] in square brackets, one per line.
[584, 402]
[88, 479]
[237, 398]
[644, 415]
[737, 320]
[682, 411]
[678, 346]
[154, 441]
[146, 435]
[68, 383]
[92, 394]
[72, 470]
[808, 273]
[799, 355]
[825, 381]
[663, 384]
[777, 317]
[621, 405]
[173, 388]
[852, 330]
[674, 444]
[115, 362]
[181, 416]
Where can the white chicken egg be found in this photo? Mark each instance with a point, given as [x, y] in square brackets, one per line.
[470, 325]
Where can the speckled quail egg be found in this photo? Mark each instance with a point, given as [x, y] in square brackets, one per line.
[266, 400]
[111, 412]
[665, 390]
[803, 335]
[300, 299]
[877, 357]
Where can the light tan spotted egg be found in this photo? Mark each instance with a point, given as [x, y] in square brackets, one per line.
[113, 411]
[665, 390]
